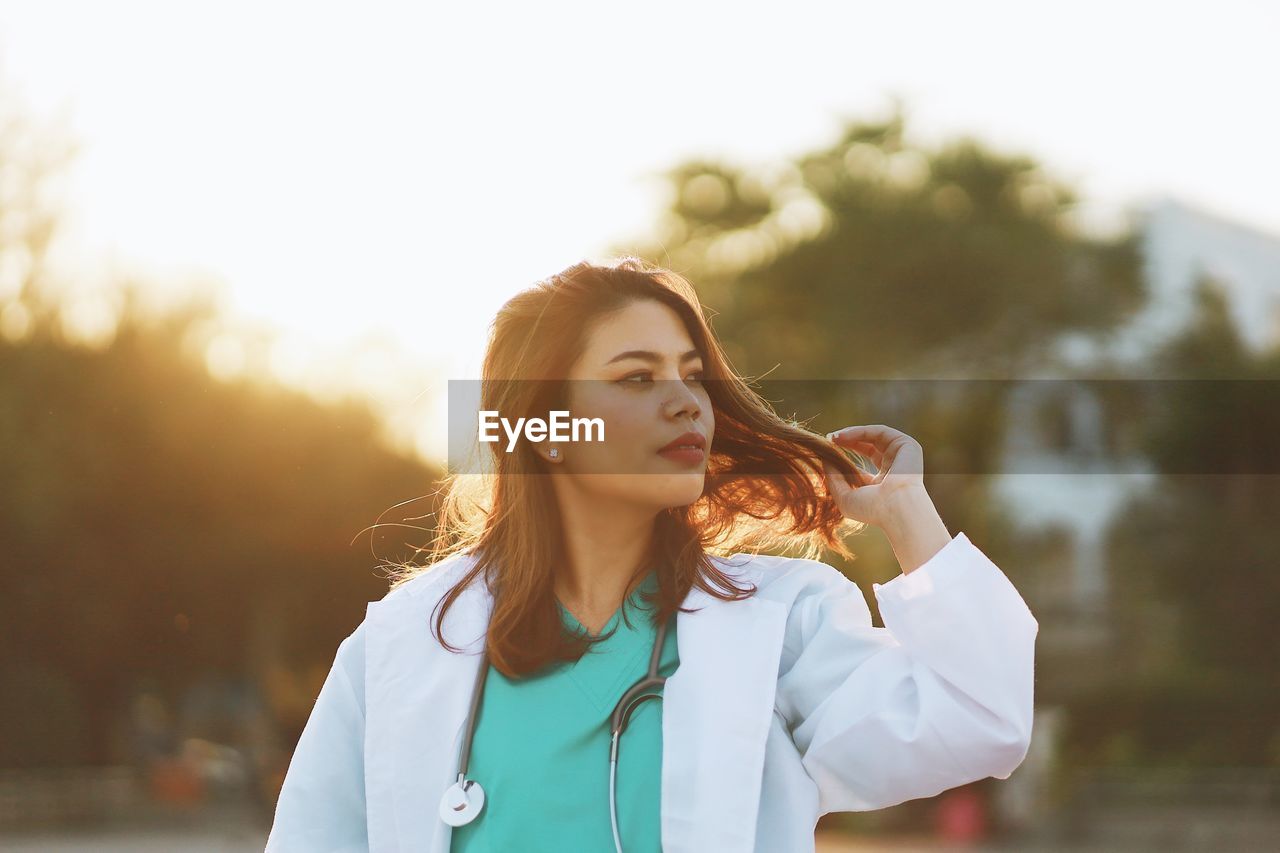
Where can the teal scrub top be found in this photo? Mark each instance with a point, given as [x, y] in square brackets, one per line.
[541, 748]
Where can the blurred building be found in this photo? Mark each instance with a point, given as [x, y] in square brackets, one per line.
[1066, 470]
[1181, 244]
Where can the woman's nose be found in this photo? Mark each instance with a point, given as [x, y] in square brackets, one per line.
[681, 400]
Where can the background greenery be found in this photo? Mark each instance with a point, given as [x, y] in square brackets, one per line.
[161, 528]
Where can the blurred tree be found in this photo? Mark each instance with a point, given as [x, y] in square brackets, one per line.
[33, 158]
[878, 258]
[159, 525]
[1202, 543]
[158, 521]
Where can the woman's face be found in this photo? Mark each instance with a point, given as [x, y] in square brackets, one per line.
[641, 374]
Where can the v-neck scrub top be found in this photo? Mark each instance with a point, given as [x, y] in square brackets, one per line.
[541, 748]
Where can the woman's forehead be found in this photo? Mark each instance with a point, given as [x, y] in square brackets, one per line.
[616, 340]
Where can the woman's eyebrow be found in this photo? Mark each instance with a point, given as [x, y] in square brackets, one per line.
[651, 357]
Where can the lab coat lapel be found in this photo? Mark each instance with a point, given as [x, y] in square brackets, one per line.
[418, 694]
[717, 710]
[716, 713]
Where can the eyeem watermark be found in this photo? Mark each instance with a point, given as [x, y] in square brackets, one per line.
[1123, 427]
[536, 429]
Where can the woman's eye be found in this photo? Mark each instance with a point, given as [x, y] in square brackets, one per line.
[627, 380]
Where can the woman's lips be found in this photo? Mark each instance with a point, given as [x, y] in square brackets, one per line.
[684, 455]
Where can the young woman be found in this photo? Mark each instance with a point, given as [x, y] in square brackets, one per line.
[598, 656]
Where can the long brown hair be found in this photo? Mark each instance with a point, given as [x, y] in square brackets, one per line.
[764, 486]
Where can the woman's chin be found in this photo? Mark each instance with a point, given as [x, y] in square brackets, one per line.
[683, 489]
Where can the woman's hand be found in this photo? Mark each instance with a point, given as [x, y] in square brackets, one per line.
[899, 460]
[894, 498]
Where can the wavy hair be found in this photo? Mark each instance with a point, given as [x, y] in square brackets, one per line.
[764, 486]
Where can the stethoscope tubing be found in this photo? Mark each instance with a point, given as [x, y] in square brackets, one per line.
[617, 721]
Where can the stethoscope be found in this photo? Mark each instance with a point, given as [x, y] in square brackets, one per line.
[464, 799]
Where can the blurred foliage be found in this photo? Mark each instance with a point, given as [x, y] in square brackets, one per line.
[880, 257]
[882, 260]
[1195, 720]
[158, 521]
[877, 258]
[1204, 546]
[162, 528]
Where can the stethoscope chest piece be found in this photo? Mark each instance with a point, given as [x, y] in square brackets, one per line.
[462, 802]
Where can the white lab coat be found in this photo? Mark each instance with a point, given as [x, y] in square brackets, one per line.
[786, 705]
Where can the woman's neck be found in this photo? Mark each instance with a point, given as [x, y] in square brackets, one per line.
[605, 547]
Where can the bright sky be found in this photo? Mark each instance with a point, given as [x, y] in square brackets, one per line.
[372, 180]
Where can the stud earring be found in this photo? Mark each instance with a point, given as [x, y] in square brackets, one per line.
[554, 452]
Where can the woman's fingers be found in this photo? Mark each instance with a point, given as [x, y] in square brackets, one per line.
[854, 501]
[877, 433]
[869, 450]
[883, 445]
[898, 458]
[861, 443]
[839, 485]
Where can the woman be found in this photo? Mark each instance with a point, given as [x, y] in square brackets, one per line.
[579, 568]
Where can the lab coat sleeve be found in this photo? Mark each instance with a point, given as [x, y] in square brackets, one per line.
[321, 808]
[939, 697]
